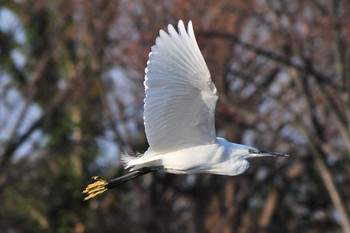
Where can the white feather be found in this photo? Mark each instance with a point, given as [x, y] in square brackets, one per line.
[180, 96]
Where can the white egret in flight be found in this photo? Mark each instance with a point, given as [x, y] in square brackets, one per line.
[179, 117]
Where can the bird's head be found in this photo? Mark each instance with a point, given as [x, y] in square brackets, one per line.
[240, 153]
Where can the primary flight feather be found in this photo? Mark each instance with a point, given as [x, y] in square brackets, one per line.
[179, 117]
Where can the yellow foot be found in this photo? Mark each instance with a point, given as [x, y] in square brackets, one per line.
[96, 188]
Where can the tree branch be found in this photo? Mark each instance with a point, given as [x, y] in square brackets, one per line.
[12, 145]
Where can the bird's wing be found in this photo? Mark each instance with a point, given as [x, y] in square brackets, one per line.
[180, 95]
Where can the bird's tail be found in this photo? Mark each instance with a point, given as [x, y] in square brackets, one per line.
[139, 161]
[126, 158]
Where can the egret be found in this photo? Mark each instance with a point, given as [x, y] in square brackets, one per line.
[179, 117]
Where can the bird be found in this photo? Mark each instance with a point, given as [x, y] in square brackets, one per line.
[179, 107]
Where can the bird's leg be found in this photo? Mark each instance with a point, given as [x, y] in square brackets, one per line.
[131, 175]
[101, 185]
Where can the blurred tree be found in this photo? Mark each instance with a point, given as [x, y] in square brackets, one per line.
[71, 92]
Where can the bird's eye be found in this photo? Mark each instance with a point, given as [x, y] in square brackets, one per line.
[252, 151]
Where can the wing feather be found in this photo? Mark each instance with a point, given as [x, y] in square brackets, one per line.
[180, 96]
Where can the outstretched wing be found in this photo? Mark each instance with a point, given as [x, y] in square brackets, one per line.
[180, 96]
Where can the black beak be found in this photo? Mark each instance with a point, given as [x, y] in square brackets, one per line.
[268, 153]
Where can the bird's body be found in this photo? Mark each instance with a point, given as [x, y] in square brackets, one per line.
[179, 117]
[221, 158]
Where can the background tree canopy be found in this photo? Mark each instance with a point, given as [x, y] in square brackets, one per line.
[71, 99]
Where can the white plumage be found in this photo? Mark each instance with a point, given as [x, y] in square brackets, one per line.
[180, 96]
[179, 117]
[179, 112]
